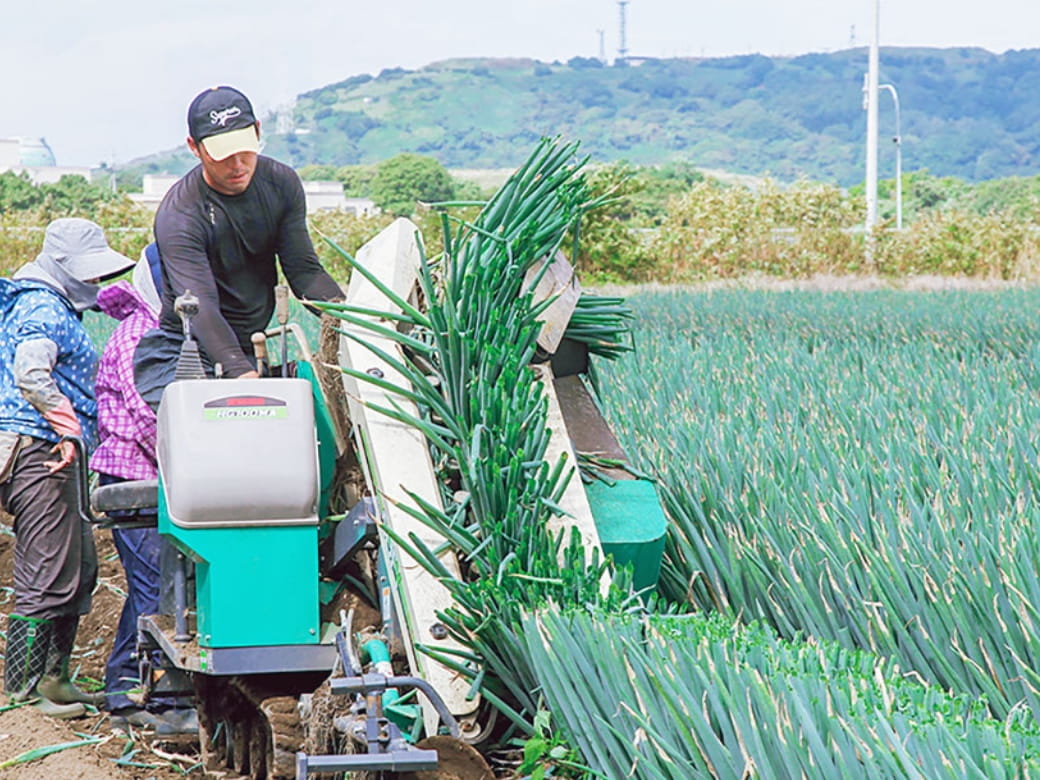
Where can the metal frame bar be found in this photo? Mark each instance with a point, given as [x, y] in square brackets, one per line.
[239, 660]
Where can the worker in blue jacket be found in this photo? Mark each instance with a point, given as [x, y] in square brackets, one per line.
[47, 367]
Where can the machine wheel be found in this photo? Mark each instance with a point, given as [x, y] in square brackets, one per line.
[245, 731]
[242, 744]
[215, 739]
[281, 734]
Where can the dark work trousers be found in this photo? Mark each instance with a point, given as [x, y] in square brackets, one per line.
[55, 562]
[138, 550]
[139, 553]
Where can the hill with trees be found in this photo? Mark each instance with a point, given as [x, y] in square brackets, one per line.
[966, 112]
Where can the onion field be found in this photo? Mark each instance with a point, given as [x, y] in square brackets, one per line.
[850, 579]
[853, 483]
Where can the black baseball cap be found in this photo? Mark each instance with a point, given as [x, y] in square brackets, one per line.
[222, 120]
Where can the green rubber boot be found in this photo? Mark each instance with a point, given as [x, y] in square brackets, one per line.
[55, 683]
[28, 644]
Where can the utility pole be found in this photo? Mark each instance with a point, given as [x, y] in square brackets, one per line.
[622, 48]
[602, 48]
[870, 88]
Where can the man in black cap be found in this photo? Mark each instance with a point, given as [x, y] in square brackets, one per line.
[218, 230]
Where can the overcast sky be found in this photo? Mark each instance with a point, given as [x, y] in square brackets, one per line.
[110, 80]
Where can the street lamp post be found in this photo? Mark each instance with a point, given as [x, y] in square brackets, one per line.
[898, 140]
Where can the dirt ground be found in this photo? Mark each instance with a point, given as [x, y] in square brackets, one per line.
[25, 729]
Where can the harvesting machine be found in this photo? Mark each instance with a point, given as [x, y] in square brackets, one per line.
[288, 613]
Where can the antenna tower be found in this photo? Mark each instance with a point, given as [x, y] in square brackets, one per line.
[622, 48]
[602, 48]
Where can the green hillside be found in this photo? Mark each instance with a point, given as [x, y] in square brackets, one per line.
[965, 112]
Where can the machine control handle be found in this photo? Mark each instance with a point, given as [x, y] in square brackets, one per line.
[281, 303]
[186, 306]
[281, 307]
[259, 351]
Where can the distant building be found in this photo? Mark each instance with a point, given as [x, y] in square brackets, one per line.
[10, 153]
[36, 153]
[362, 207]
[320, 195]
[324, 196]
[34, 157]
[328, 196]
[49, 174]
[153, 187]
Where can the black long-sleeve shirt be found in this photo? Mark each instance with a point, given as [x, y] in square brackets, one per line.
[223, 248]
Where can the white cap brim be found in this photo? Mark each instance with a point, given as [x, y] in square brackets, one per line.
[102, 264]
[224, 145]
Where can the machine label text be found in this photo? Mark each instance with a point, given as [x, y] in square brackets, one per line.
[247, 413]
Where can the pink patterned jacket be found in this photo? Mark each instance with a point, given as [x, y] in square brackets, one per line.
[126, 424]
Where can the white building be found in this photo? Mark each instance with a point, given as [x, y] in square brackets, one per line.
[49, 174]
[153, 187]
[362, 207]
[10, 153]
[34, 157]
[320, 195]
[324, 196]
[328, 196]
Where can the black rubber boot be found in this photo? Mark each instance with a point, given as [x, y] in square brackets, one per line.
[55, 683]
[169, 722]
[25, 660]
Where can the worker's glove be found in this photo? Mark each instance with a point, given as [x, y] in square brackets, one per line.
[63, 420]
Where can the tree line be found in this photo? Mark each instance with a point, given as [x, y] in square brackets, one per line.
[668, 223]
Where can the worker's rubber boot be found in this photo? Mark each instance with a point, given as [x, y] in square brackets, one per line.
[55, 683]
[25, 659]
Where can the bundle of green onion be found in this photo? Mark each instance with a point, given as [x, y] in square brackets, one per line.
[602, 323]
[468, 359]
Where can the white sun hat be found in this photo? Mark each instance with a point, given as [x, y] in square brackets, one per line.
[79, 247]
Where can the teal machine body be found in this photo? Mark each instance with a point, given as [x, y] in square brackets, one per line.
[241, 496]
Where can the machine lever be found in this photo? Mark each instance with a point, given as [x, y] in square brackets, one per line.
[281, 307]
[189, 360]
[186, 306]
[260, 351]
